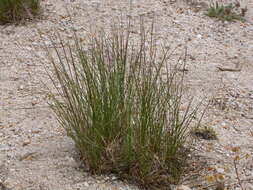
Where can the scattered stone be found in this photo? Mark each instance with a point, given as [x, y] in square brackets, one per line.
[4, 147]
[221, 41]
[248, 186]
[182, 187]
[35, 131]
[28, 156]
[26, 142]
[199, 36]
[220, 170]
[21, 87]
[4, 172]
[86, 184]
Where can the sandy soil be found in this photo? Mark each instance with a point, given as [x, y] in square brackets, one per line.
[35, 153]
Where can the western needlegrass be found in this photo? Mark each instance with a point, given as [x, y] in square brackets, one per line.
[120, 103]
[16, 10]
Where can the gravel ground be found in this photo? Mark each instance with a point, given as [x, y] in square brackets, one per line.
[35, 153]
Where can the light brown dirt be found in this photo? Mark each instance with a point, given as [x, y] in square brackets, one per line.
[35, 153]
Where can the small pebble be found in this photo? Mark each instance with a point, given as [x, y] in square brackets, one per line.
[220, 170]
[199, 36]
[26, 142]
[182, 187]
[86, 184]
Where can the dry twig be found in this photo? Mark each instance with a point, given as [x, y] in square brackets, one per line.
[237, 175]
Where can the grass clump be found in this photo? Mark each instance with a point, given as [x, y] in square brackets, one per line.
[120, 103]
[228, 12]
[205, 132]
[16, 10]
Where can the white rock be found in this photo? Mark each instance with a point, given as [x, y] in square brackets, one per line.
[21, 87]
[86, 184]
[4, 147]
[182, 187]
[220, 170]
[47, 43]
[199, 36]
[26, 142]
[248, 186]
